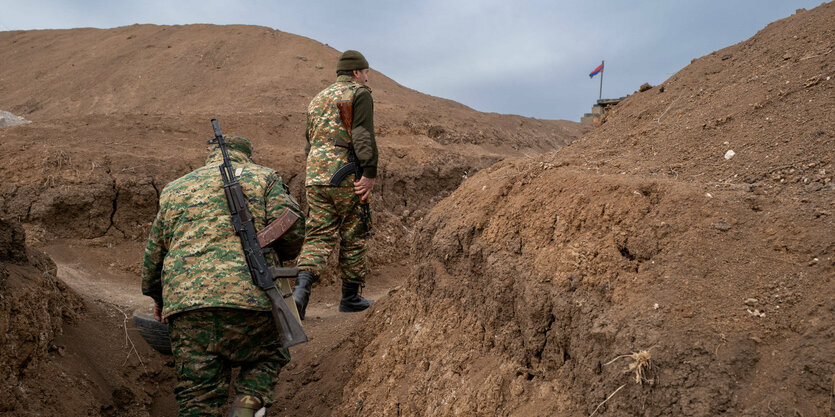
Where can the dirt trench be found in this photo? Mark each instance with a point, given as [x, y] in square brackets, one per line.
[118, 113]
[536, 285]
[91, 210]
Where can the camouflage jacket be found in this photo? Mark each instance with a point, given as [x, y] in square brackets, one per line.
[324, 126]
[193, 258]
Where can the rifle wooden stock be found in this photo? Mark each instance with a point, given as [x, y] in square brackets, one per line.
[277, 228]
[346, 113]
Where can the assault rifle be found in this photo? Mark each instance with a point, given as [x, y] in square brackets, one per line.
[346, 113]
[290, 332]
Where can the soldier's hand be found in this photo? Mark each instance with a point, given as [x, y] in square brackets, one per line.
[158, 314]
[363, 188]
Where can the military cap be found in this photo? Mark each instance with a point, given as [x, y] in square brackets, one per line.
[239, 144]
[351, 60]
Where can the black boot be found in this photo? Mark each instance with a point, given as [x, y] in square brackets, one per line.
[352, 301]
[301, 293]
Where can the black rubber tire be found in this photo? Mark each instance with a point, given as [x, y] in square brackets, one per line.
[154, 332]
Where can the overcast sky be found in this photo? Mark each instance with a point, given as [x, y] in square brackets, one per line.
[526, 57]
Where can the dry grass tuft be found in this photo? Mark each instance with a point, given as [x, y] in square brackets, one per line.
[55, 159]
[643, 369]
[642, 366]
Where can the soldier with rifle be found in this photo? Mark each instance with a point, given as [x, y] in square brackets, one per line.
[219, 285]
[341, 168]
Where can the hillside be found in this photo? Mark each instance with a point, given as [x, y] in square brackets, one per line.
[110, 106]
[199, 69]
[642, 270]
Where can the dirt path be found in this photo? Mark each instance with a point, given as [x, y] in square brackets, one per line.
[91, 275]
[103, 277]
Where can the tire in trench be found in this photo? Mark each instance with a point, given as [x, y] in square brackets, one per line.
[154, 332]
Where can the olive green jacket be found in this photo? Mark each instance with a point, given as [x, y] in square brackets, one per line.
[324, 127]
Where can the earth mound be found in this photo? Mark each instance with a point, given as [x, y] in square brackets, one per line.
[642, 270]
[34, 305]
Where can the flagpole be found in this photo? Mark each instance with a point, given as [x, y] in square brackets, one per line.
[600, 97]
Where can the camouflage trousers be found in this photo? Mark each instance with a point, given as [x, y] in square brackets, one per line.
[334, 213]
[208, 343]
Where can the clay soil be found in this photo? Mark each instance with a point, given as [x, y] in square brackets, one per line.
[643, 269]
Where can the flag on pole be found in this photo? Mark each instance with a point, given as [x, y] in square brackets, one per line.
[596, 71]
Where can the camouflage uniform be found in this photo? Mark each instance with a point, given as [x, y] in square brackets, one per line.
[194, 267]
[335, 210]
[207, 342]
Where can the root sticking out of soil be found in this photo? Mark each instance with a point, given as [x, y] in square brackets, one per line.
[642, 366]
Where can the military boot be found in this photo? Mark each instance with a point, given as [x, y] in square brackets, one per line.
[245, 406]
[352, 301]
[301, 293]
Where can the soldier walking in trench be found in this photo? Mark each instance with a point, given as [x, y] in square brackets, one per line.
[196, 272]
[340, 129]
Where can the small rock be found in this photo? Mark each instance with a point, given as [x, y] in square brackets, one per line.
[644, 87]
[320, 66]
[751, 301]
[301, 58]
[729, 154]
[656, 306]
[8, 119]
[755, 312]
[721, 225]
[708, 195]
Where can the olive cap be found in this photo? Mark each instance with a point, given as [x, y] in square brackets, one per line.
[238, 143]
[351, 60]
